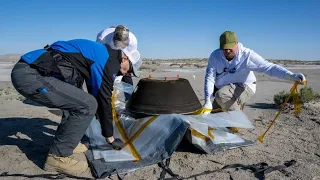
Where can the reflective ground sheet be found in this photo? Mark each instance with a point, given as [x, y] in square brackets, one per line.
[153, 139]
[154, 144]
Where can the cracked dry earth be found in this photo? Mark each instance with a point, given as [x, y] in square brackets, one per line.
[27, 130]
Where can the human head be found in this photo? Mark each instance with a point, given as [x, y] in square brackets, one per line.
[130, 62]
[121, 36]
[229, 44]
[125, 66]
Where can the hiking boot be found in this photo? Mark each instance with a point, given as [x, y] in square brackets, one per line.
[81, 148]
[67, 165]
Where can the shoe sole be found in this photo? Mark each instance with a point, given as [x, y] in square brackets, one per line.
[60, 170]
[79, 152]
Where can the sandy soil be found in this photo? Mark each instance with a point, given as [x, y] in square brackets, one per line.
[27, 131]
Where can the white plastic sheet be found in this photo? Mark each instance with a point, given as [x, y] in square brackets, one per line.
[154, 134]
[223, 119]
[146, 143]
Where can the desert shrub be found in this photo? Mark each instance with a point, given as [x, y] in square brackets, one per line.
[155, 62]
[144, 67]
[200, 65]
[306, 94]
[174, 64]
[185, 64]
[280, 97]
[21, 98]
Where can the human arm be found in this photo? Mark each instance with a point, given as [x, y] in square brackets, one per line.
[209, 82]
[258, 64]
[105, 114]
[105, 75]
[104, 110]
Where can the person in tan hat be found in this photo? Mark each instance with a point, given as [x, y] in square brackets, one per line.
[229, 75]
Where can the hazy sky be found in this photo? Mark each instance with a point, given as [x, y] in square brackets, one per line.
[282, 29]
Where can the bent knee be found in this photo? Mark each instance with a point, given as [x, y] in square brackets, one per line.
[225, 98]
[223, 95]
[93, 105]
[90, 107]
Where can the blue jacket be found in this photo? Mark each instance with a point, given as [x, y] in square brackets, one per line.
[98, 64]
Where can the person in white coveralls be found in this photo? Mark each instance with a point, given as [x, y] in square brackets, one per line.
[229, 75]
[120, 37]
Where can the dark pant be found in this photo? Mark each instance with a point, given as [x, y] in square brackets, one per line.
[78, 106]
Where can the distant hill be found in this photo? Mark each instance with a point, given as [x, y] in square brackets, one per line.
[10, 57]
[16, 57]
[287, 61]
[204, 60]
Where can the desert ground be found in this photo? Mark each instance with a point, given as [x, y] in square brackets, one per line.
[27, 130]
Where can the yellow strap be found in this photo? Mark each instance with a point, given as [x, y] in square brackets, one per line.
[140, 130]
[297, 103]
[200, 111]
[206, 110]
[199, 135]
[294, 93]
[210, 133]
[121, 129]
[202, 136]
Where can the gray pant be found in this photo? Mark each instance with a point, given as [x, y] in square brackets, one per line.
[78, 106]
[232, 97]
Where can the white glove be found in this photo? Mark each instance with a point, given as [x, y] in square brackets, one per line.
[298, 77]
[207, 105]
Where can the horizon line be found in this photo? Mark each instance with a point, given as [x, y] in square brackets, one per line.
[148, 58]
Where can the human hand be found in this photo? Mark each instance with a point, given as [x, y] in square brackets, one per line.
[116, 143]
[299, 77]
[206, 108]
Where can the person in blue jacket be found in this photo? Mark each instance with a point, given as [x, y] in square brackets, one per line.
[53, 76]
